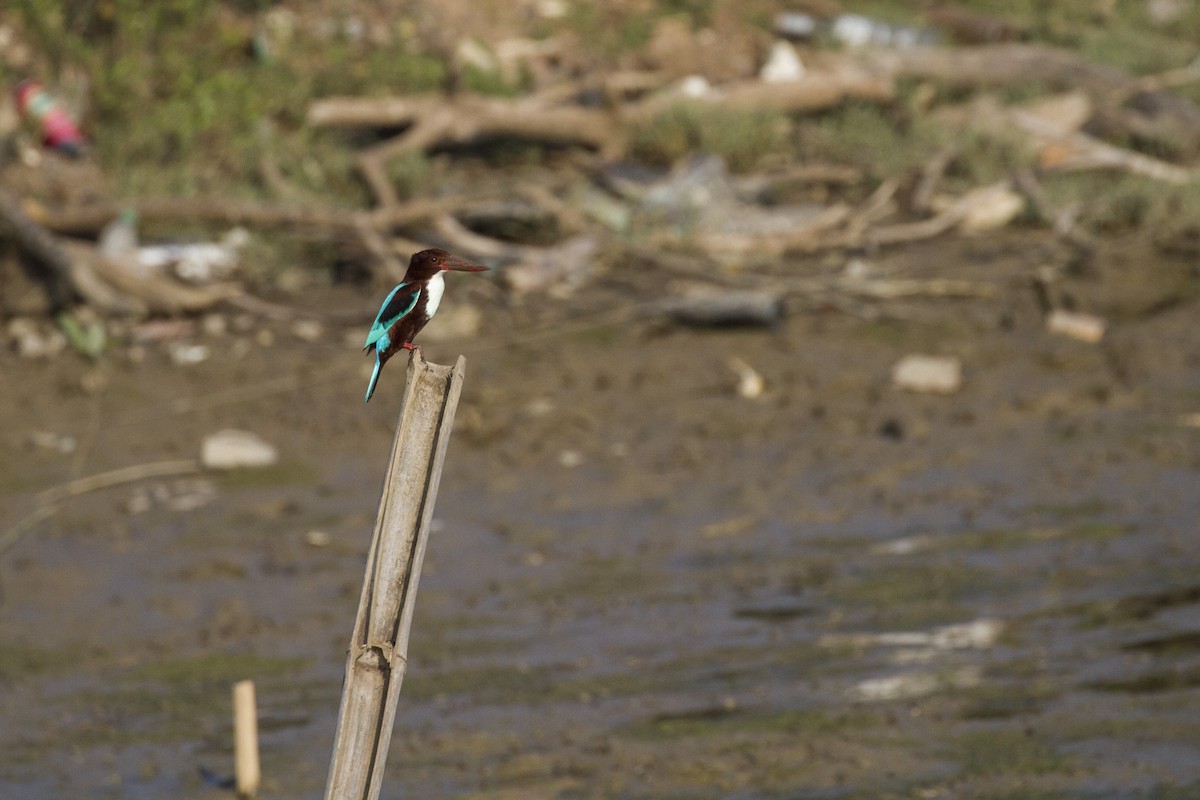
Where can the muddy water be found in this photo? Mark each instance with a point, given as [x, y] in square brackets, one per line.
[640, 583]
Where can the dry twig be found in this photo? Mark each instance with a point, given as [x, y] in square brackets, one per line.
[50, 499]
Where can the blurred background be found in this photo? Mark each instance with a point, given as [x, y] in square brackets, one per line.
[831, 425]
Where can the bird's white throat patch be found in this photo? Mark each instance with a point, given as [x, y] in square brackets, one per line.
[433, 294]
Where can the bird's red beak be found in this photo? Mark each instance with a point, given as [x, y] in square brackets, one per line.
[458, 265]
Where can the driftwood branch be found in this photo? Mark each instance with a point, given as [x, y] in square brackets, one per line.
[1173, 120]
[41, 247]
[88, 220]
[550, 117]
[50, 499]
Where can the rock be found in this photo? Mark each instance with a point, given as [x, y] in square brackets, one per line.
[1084, 327]
[570, 459]
[928, 374]
[232, 449]
[214, 324]
[1165, 12]
[317, 539]
[26, 339]
[725, 308]
[308, 330]
[48, 440]
[186, 354]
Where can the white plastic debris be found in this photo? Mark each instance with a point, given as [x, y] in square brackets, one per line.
[750, 382]
[978, 634]
[49, 440]
[31, 342]
[233, 449]
[917, 684]
[856, 30]
[1084, 327]
[195, 262]
[119, 238]
[928, 374]
[186, 354]
[795, 25]
[695, 86]
[472, 53]
[783, 64]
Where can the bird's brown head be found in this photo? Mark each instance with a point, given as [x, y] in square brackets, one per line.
[427, 263]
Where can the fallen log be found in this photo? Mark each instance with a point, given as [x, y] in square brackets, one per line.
[153, 294]
[708, 309]
[445, 121]
[88, 220]
[1168, 118]
[41, 247]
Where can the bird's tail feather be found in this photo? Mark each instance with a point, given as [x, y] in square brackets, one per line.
[374, 378]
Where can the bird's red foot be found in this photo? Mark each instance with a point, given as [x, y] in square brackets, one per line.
[414, 348]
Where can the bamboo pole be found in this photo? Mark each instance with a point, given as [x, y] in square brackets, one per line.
[378, 656]
[245, 740]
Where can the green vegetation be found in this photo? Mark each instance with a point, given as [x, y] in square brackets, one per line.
[727, 723]
[919, 595]
[285, 473]
[1006, 751]
[743, 138]
[211, 669]
[185, 99]
[19, 661]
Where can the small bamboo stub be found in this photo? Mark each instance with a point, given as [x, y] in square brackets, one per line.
[245, 740]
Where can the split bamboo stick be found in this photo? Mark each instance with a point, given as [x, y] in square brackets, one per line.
[378, 656]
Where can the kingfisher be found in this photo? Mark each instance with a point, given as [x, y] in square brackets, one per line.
[409, 307]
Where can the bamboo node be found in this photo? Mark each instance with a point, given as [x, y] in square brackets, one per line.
[375, 656]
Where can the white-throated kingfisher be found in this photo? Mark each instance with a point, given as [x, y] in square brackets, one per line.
[409, 307]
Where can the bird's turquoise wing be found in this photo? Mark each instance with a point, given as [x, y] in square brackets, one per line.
[400, 301]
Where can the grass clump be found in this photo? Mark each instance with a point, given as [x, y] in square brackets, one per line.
[184, 100]
[1006, 752]
[742, 138]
